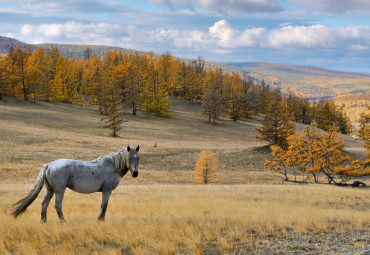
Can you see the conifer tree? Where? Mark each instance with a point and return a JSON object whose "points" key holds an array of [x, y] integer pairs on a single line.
{"points": [[36, 71], [236, 99], [155, 95], [213, 103], [359, 167], [310, 153], [206, 169], [114, 108], [17, 71], [63, 89], [2, 77], [277, 124]]}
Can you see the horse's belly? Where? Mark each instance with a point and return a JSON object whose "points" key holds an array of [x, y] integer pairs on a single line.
{"points": [[85, 185]]}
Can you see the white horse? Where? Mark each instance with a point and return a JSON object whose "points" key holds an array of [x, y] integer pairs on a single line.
{"points": [[100, 175]]}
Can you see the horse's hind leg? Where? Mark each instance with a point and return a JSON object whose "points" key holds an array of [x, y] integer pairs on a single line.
{"points": [[104, 204], [58, 204], [45, 202]]}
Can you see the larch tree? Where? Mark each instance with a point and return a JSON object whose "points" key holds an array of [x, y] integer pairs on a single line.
{"points": [[236, 99], [17, 71], [113, 101], [206, 169], [277, 123], [36, 71], [2, 77], [63, 89], [155, 95], [213, 103], [359, 167], [133, 69], [311, 153]]}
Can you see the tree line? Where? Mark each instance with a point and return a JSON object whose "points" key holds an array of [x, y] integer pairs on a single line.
{"points": [[133, 81]]}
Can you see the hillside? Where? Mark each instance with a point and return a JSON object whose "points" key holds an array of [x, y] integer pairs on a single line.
{"points": [[33, 134], [309, 81]]}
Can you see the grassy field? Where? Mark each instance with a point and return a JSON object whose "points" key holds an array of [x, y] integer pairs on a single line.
{"points": [[161, 212], [190, 219]]}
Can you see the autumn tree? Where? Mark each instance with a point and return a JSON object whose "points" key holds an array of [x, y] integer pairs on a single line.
{"points": [[155, 96], [17, 71], [133, 69], [36, 71], [2, 76], [114, 113], [64, 88], [264, 96], [213, 103], [206, 169], [93, 82], [113, 102], [235, 98], [311, 153], [277, 124], [359, 167], [47, 88]]}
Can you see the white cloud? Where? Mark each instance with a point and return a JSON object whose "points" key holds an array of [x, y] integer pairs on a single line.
{"points": [[71, 32], [224, 6], [300, 37], [220, 37]]}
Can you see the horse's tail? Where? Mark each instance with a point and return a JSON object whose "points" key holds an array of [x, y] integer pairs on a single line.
{"points": [[21, 206]]}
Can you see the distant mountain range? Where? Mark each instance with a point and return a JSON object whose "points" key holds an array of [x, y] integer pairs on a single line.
{"points": [[308, 81]]}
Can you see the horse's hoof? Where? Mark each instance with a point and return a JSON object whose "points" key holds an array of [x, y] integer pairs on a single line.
{"points": [[101, 219]]}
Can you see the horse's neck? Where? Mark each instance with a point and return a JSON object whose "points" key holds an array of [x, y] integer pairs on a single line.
{"points": [[123, 171]]}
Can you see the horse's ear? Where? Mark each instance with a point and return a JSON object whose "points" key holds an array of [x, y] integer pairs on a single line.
{"points": [[128, 148], [137, 148]]}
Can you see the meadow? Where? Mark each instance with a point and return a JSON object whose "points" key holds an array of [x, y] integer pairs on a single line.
{"points": [[161, 211]]}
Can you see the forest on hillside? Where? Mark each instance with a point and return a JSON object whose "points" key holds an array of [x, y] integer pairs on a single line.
{"points": [[145, 81]]}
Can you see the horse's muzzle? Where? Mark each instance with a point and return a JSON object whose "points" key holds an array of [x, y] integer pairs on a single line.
{"points": [[135, 174]]}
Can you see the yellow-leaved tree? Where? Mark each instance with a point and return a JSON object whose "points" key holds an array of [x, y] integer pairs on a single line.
{"points": [[311, 153], [358, 167], [206, 169]]}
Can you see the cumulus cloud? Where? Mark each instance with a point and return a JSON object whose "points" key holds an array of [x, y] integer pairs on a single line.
{"points": [[220, 37], [247, 6], [73, 31]]}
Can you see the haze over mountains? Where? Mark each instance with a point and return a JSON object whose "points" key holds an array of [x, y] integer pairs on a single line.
{"points": [[311, 82]]}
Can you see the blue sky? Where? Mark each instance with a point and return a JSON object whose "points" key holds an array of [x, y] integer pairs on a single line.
{"points": [[333, 34]]}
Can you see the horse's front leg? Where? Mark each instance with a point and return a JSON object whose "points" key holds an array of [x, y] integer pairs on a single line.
{"points": [[104, 203]]}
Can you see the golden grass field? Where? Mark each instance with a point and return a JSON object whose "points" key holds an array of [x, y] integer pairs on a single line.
{"points": [[161, 212]]}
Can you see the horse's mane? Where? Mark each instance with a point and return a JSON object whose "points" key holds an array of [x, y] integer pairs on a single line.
{"points": [[118, 159]]}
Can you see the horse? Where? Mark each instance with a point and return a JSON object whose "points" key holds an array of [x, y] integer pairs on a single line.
{"points": [[100, 175]]}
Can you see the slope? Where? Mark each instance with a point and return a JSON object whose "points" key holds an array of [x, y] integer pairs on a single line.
{"points": [[34, 134]]}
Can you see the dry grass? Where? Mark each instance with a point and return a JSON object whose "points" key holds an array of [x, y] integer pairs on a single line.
{"points": [[158, 212], [190, 219]]}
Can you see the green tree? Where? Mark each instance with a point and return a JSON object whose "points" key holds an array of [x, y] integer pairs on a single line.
{"points": [[277, 123]]}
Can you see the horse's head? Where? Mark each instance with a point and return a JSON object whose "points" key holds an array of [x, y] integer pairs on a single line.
{"points": [[133, 160]]}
